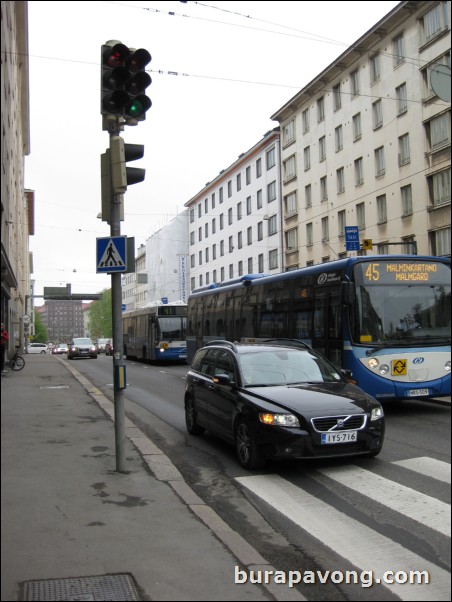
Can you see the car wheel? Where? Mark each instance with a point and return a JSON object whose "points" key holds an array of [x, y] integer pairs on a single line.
{"points": [[43, 352], [248, 454], [190, 418]]}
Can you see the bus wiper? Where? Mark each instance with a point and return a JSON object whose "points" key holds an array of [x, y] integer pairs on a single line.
{"points": [[408, 343]]}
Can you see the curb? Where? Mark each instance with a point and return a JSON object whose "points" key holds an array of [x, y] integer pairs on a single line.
{"points": [[164, 470]]}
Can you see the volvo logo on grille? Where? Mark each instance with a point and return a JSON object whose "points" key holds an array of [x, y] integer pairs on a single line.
{"points": [[418, 360], [340, 423]]}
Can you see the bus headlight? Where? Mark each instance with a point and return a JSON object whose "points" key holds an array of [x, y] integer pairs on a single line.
{"points": [[373, 363], [384, 369], [447, 366]]}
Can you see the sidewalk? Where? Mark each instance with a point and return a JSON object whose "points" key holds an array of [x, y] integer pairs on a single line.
{"points": [[68, 516]]}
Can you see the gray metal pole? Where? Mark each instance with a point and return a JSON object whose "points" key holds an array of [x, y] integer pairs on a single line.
{"points": [[116, 310]]}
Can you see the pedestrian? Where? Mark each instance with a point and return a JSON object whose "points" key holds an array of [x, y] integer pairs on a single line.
{"points": [[5, 339]]}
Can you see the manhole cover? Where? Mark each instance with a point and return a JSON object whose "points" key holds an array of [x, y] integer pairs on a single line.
{"points": [[104, 587]]}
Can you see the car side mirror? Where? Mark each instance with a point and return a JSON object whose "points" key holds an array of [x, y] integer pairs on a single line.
{"points": [[348, 375], [222, 379]]}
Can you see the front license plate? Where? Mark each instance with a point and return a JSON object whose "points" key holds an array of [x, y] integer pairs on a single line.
{"points": [[348, 437], [417, 392]]}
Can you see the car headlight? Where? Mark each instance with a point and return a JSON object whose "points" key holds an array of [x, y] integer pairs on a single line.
{"points": [[447, 366], [376, 413], [279, 419]]}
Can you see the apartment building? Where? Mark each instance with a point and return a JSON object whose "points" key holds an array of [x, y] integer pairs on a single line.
{"points": [[235, 220], [367, 144]]}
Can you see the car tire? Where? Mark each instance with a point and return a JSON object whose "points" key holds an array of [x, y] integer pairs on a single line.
{"points": [[190, 418], [246, 449]]}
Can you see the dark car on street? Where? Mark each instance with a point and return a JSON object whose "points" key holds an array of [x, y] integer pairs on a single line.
{"points": [[82, 347], [275, 401]]}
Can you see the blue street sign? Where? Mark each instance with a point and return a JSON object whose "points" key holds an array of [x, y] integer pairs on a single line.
{"points": [[352, 238], [111, 254]]}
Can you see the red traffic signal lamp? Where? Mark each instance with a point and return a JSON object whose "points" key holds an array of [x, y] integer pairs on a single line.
{"points": [[124, 81]]}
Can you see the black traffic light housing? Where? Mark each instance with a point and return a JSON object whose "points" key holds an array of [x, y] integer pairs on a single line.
{"points": [[121, 175], [124, 81]]}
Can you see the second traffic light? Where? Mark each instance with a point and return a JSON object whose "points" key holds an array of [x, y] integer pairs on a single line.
{"points": [[124, 81], [121, 175]]}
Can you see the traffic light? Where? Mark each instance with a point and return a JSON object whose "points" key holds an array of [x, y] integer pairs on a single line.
{"points": [[124, 81], [121, 175]]}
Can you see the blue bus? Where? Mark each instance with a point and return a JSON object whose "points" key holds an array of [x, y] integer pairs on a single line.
{"points": [[156, 333], [384, 318]]}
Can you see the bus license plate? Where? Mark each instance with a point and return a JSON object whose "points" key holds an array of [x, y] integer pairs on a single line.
{"points": [[348, 437], [417, 392]]}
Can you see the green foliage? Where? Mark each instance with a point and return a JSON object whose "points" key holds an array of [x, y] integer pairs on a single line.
{"points": [[40, 330], [100, 319]]}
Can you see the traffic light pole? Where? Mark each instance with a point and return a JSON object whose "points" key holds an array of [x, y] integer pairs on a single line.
{"points": [[116, 310]]}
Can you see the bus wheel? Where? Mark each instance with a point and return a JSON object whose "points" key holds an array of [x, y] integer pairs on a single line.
{"points": [[247, 451], [190, 418]]}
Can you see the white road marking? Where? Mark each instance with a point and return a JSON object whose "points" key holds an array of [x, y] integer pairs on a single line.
{"points": [[429, 467]]}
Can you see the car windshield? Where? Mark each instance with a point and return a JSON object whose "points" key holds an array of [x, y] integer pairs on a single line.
{"points": [[103, 341], [284, 366], [83, 342]]}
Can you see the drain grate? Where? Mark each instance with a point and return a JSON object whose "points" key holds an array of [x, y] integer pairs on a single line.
{"points": [[103, 587]]}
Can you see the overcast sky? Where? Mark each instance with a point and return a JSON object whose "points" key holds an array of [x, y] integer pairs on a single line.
{"points": [[219, 71]]}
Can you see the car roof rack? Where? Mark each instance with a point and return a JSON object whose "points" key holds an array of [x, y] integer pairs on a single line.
{"points": [[221, 343], [287, 343]]}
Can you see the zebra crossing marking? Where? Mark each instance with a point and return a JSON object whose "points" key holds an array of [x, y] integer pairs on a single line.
{"points": [[441, 471]]}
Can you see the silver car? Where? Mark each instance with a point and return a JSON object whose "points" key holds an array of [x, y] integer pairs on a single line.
{"points": [[82, 347]]}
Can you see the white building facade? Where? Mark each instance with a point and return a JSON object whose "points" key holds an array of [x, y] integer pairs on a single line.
{"points": [[235, 221], [367, 144]]}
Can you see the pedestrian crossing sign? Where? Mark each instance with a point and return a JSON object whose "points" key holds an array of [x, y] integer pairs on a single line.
{"points": [[111, 254]]}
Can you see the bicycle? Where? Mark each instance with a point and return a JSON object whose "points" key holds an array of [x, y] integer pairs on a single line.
{"points": [[17, 362]]}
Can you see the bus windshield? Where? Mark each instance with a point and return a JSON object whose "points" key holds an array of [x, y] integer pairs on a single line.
{"points": [[412, 308], [172, 328]]}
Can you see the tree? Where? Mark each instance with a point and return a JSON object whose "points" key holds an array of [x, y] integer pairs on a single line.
{"points": [[40, 330], [100, 319]]}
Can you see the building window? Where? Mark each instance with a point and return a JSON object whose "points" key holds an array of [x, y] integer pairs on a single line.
{"points": [[206, 255], [239, 211], [192, 261], [325, 229], [260, 263], [359, 173], [221, 274], [339, 142], [404, 149], [361, 216], [239, 182], [305, 120], [375, 72], [229, 188], [200, 258], [192, 216], [213, 200], [220, 192], [439, 131], [273, 259], [356, 127], [309, 235], [271, 192], [239, 240], [231, 271], [260, 230], [230, 219], [434, 22], [308, 196], [199, 210], [288, 131], [206, 205], [354, 79], [248, 175], [290, 169], [258, 168], [214, 226], [379, 162], [240, 268], [221, 221], [320, 109], [250, 265], [439, 188], [402, 102], [248, 205], [259, 199], [290, 204], [271, 158], [407, 202], [272, 225], [206, 230], [214, 253], [307, 158], [199, 234], [340, 179], [323, 189], [341, 223], [398, 50], [440, 242], [231, 244], [292, 239], [249, 235], [337, 101], [377, 114], [322, 148], [381, 208], [221, 248]]}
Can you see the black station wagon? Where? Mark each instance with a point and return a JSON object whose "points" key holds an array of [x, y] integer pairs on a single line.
{"points": [[277, 401]]}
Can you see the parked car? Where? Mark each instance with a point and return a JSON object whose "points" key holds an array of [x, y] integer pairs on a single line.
{"points": [[109, 348], [82, 347], [37, 348], [60, 349], [101, 345], [277, 401]]}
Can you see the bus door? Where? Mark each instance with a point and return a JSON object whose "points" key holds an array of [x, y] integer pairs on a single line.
{"points": [[327, 327]]}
